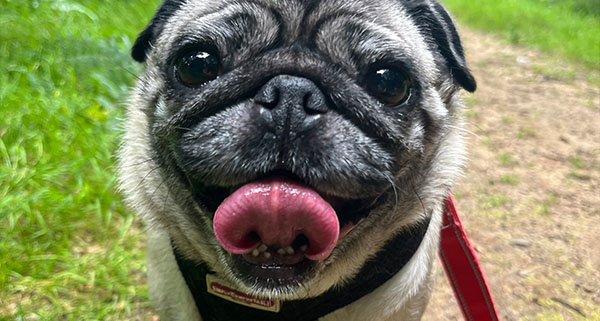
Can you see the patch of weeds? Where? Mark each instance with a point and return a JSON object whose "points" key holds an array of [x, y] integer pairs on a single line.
{"points": [[507, 159], [558, 306], [494, 201], [549, 316], [507, 119], [510, 179], [579, 175], [544, 206], [526, 132], [458, 195], [514, 36], [507, 179], [470, 100], [549, 73], [486, 140], [542, 209], [495, 213], [592, 104], [594, 78], [577, 162], [553, 198], [472, 114], [579, 167], [500, 259]]}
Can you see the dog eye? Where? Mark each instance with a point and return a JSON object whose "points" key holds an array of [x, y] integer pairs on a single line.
{"points": [[197, 67], [389, 84]]}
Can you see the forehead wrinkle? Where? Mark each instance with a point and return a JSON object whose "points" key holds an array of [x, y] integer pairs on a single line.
{"points": [[362, 43], [291, 13], [368, 9], [187, 19], [395, 34], [204, 24]]}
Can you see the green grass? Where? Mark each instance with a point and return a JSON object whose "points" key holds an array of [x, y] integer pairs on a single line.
{"points": [[507, 159], [510, 179], [66, 246], [577, 162], [494, 201], [570, 28]]}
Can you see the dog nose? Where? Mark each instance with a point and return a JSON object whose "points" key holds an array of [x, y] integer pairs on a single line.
{"points": [[291, 104]]}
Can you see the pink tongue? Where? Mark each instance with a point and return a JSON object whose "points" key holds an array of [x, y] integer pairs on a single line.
{"points": [[276, 210]]}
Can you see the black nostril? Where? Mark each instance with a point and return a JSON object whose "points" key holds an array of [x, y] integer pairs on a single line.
{"points": [[268, 97], [314, 104], [307, 102]]}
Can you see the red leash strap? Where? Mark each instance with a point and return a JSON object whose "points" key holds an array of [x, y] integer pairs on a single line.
{"points": [[463, 269]]}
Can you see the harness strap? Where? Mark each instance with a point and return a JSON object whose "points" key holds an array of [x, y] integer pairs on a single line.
{"points": [[463, 269]]}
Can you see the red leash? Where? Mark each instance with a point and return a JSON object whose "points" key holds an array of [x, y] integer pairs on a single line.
{"points": [[463, 269]]}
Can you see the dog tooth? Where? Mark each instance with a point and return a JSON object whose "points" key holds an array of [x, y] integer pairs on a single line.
{"points": [[255, 252], [281, 251], [263, 247], [303, 248], [267, 254], [289, 250]]}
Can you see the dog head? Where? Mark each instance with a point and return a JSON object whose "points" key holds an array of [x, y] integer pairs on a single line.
{"points": [[284, 142]]}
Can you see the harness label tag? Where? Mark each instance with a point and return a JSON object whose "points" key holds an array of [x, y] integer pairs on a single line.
{"points": [[221, 288]]}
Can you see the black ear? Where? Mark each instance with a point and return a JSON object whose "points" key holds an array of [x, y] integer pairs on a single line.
{"points": [[146, 38], [435, 22]]}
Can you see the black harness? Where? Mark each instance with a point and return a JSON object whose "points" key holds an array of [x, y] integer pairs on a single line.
{"points": [[394, 255]]}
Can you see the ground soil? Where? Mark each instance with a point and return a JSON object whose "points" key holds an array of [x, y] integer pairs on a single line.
{"points": [[530, 197]]}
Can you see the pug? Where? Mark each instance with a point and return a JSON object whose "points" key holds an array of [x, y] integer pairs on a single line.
{"points": [[291, 158]]}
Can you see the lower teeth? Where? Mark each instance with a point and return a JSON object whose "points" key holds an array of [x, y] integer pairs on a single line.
{"points": [[283, 251]]}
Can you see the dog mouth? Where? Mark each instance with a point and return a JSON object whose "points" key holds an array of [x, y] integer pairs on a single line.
{"points": [[279, 230]]}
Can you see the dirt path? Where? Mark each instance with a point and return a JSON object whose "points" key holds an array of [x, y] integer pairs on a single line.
{"points": [[530, 198]]}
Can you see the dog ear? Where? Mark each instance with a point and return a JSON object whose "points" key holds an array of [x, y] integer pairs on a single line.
{"points": [[144, 41], [436, 24]]}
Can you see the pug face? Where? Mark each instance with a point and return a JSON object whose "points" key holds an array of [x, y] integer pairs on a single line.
{"points": [[282, 143]]}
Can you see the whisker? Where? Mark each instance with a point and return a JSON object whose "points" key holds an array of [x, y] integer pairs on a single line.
{"points": [[419, 197], [157, 187], [394, 187], [137, 77], [139, 163], [166, 197], [182, 128], [464, 130], [478, 127], [146, 176]]}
